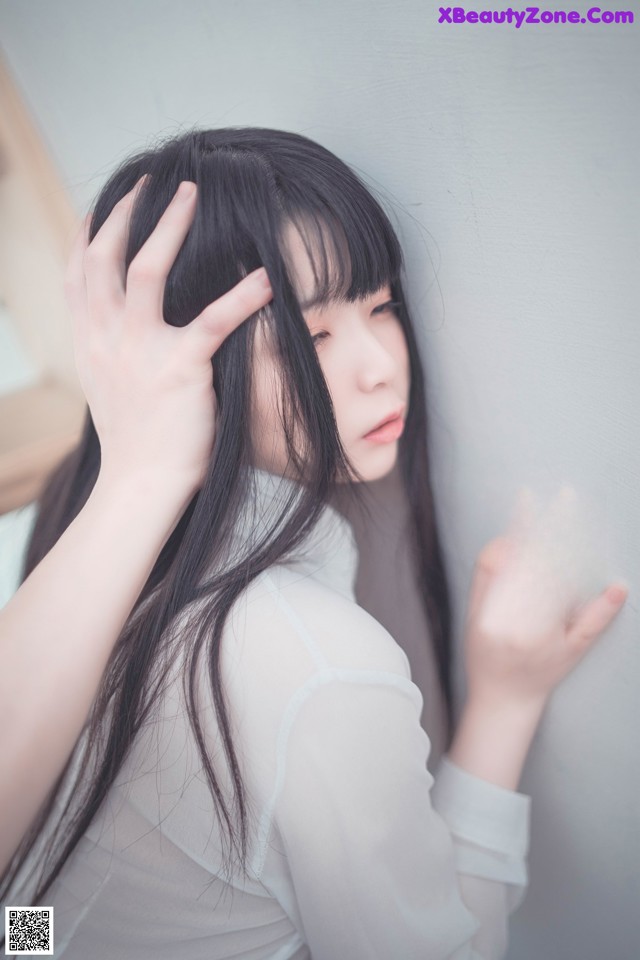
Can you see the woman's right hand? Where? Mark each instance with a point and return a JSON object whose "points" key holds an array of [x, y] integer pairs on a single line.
{"points": [[519, 646], [149, 385]]}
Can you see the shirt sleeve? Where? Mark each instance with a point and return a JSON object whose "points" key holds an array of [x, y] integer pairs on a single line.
{"points": [[385, 860]]}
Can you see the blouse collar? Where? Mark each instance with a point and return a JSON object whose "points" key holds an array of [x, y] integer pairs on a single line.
{"points": [[328, 553]]}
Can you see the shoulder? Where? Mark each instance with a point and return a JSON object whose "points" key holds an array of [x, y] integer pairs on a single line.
{"points": [[307, 626], [292, 647]]}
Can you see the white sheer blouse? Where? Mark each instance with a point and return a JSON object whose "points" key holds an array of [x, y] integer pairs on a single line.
{"points": [[356, 850]]}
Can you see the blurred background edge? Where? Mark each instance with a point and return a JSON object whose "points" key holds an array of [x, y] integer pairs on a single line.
{"points": [[41, 402]]}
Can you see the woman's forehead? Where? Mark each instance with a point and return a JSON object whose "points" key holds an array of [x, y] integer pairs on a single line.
{"points": [[301, 269], [301, 266]]}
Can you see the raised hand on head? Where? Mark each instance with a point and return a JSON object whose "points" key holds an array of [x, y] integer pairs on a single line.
{"points": [[149, 385]]}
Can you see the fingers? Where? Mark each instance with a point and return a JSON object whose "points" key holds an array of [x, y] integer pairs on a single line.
{"points": [[147, 273], [491, 560], [220, 318], [524, 514], [595, 616], [100, 267], [104, 259]]}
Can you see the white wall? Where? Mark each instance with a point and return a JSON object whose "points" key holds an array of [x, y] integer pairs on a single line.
{"points": [[511, 156]]}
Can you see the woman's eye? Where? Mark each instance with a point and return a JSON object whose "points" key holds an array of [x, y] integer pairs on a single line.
{"points": [[392, 305]]}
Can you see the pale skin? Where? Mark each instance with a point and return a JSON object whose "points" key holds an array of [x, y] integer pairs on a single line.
{"points": [[365, 362], [116, 330]]}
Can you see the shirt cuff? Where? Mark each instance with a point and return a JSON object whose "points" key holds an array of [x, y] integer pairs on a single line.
{"points": [[482, 812]]}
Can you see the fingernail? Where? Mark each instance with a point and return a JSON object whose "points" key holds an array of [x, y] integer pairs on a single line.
{"points": [[262, 278], [186, 190], [616, 594]]}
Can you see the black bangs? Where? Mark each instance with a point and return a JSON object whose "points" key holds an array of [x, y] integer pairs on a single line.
{"points": [[352, 250], [253, 185]]}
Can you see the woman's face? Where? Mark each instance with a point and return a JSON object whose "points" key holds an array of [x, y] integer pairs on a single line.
{"points": [[363, 354]]}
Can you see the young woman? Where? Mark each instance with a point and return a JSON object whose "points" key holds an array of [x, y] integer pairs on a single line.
{"points": [[250, 706]]}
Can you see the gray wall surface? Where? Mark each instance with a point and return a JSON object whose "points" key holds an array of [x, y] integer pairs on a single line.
{"points": [[509, 158]]}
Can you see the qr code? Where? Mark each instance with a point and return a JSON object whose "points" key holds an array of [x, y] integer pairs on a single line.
{"points": [[28, 931]]}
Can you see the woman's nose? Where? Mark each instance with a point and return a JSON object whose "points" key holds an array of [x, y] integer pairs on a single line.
{"points": [[375, 360]]}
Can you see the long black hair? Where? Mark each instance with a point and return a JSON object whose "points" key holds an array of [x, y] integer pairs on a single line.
{"points": [[252, 182]]}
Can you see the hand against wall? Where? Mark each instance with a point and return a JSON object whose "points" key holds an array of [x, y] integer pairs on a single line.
{"points": [[528, 622]]}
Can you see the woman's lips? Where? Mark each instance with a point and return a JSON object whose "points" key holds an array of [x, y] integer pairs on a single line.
{"points": [[390, 431]]}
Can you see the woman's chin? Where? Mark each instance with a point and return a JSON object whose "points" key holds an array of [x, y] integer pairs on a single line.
{"points": [[378, 463]]}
